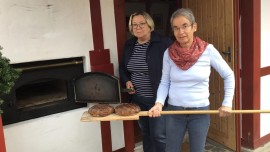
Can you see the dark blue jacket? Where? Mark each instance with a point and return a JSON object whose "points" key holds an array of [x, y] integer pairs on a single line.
{"points": [[154, 58]]}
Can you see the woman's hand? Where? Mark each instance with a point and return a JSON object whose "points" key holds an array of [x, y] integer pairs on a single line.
{"points": [[129, 86], [224, 111], [155, 110]]}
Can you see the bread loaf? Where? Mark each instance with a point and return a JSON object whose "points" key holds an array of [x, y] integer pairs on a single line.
{"points": [[127, 109], [101, 110]]}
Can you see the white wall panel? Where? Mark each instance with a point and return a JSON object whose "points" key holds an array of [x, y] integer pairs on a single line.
{"points": [[265, 54], [265, 105], [43, 30], [52, 29], [265, 33]]}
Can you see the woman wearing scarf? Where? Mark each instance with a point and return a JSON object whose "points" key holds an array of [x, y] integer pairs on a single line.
{"points": [[185, 79]]}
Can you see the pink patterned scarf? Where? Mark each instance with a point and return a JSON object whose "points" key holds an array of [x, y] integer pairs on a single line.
{"points": [[185, 58]]}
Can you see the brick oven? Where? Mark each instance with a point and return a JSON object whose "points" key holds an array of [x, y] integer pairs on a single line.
{"points": [[44, 88]]}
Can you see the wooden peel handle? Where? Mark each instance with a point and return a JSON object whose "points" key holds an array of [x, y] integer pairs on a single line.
{"points": [[145, 113], [86, 117]]}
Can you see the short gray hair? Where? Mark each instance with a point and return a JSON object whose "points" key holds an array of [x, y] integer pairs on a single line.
{"points": [[147, 18], [186, 12]]}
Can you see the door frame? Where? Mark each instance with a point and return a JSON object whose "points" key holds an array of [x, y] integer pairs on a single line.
{"points": [[119, 7], [237, 46]]}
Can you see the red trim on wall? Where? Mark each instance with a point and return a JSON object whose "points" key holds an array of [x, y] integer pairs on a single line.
{"points": [[100, 61], [96, 24], [105, 127], [129, 135], [100, 57], [100, 64], [237, 75], [120, 24], [265, 71], [250, 16], [105, 68], [262, 141], [2, 137]]}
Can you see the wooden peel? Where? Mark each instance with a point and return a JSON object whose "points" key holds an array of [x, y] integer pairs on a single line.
{"points": [[86, 117]]}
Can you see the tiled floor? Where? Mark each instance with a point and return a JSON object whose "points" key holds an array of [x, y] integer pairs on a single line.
{"points": [[214, 147], [210, 146]]}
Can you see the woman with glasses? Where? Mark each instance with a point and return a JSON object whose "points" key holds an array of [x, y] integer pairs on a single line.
{"points": [[185, 79], [140, 71]]}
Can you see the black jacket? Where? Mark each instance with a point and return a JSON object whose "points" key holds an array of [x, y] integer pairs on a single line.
{"points": [[154, 58]]}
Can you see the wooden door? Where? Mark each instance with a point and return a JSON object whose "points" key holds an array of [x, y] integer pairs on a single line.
{"points": [[215, 25]]}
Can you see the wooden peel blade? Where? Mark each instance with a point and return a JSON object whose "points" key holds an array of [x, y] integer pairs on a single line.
{"points": [[86, 117]]}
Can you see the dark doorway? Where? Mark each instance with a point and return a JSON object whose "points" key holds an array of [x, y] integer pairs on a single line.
{"points": [[160, 11]]}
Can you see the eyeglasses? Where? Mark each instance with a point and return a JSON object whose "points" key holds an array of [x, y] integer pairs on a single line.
{"points": [[141, 25], [183, 28]]}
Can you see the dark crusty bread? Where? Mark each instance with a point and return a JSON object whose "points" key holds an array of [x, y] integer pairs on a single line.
{"points": [[101, 110], [127, 109]]}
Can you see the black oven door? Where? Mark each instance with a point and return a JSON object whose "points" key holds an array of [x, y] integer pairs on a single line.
{"points": [[97, 87]]}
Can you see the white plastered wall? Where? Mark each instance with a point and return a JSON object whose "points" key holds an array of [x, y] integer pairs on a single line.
{"points": [[43, 30], [265, 62]]}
